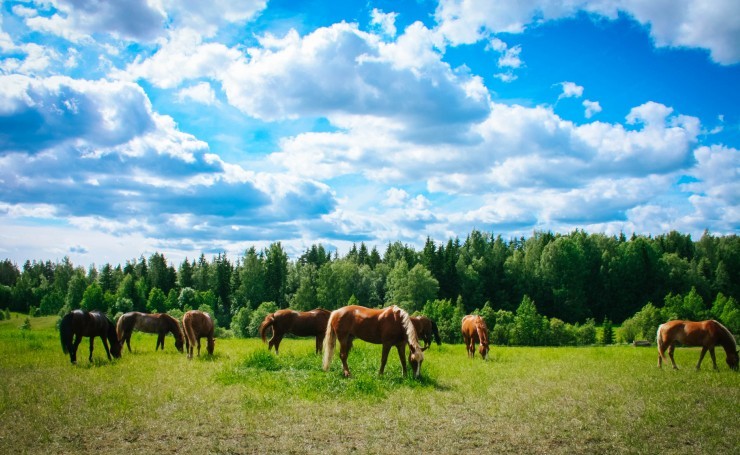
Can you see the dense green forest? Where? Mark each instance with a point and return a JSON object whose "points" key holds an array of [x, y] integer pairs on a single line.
{"points": [[569, 279]]}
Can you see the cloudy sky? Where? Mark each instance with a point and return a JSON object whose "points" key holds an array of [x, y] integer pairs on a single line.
{"points": [[182, 126]]}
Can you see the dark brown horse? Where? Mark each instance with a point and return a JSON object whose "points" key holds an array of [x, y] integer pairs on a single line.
{"points": [[81, 323], [197, 325], [159, 323], [389, 327], [425, 329], [474, 330], [706, 334], [300, 323]]}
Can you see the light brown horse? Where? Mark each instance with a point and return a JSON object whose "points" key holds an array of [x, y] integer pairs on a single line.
{"points": [[300, 323], [474, 330], [198, 324], [425, 329], [706, 334], [389, 327], [159, 323]]}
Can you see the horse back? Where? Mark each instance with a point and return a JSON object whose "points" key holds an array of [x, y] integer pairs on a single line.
{"points": [[309, 323], [690, 333]]}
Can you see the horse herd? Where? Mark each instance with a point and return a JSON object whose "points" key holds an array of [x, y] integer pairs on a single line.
{"points": [[389, 327]]}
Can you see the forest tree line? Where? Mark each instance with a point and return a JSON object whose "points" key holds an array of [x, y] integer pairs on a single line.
{"points": [[573, 279]]}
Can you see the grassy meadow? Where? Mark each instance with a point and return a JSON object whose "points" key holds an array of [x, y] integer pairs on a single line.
{"points": [[245, 400]]}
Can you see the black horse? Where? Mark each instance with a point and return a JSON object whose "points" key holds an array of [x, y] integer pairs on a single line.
{"points": [[81, 323]]}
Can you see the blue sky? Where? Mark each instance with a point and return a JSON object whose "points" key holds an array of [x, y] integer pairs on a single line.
{"points": [[185, 127]]}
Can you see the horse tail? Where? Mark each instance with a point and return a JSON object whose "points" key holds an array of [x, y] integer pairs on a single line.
{"points": [[187, 325], [435, 331], [269, 320], [65, 333], [120, 329], [330, 340]]}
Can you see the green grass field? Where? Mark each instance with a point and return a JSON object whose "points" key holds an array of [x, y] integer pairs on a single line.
{"points": [[245, 400]]}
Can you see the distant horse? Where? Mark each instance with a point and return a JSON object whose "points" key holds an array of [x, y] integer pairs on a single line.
{"points": [[197, 325], [425, 328], [706, 334], [81, 323], [474, 330], [300, 323], [159, 323], [390, 327]]}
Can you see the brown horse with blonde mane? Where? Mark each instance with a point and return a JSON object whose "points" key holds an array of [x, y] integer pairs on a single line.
{"points": [[159, 323], [299, 323], [706, 334], [474, 330], [389, 327], [198, 324], [425, 329]]}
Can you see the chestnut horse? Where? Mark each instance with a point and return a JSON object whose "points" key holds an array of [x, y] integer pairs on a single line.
{"points": [[198, 324], [474, 330], [706, 334], [390, 327], [425, 328], [159, 323], [300, 323], [81, 323]]}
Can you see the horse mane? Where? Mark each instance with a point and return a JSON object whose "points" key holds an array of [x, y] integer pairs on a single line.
{"points": [[411, 336], [726, 338], [482, 331]]}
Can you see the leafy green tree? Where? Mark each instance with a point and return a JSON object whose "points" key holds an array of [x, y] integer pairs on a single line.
{"points": [[727, 311], [92, 298], [276, 274], [75, 292], [607, 333], [560, 333], [157, 301], [643, 325], [530, 328], [240, 322], [305, 298], [445, 314], [188, 299], [586, 334], [185, 275], [252, 274]]}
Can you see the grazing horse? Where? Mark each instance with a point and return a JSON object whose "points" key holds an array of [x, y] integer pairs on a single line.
{"points": [[198, 324], [81, 323], [390, 327], [706, 334], [159, 323], [300, 323], [474, 330], [425, 328]]}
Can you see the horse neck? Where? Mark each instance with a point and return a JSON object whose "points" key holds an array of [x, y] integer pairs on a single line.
{"points": [[482, 336], [173, 326], [726, 339]]}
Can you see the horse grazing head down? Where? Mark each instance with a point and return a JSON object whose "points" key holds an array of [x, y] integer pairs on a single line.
{"points": [[415, 359], [211, 344], [732, 360]]}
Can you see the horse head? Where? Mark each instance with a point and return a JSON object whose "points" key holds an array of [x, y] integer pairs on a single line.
{"points": [[179, 344], [483, 349], [415, 359], [732, 360], [211, 345]]}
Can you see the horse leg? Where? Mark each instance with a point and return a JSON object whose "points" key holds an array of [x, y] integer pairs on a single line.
{"points": [[344, 347], [160, 342], [198, 346], [277, 341], [127, 336], [73, 351], [672, 348], [319, 343], [384, 358], [401, 348], [105, 345], [711, 353], [92, 341]]}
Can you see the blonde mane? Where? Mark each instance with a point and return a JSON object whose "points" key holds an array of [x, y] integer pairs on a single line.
{"points": [[411, 336]]}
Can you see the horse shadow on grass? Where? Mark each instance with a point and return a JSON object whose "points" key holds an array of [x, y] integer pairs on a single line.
{"points": [[302, 376]]}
